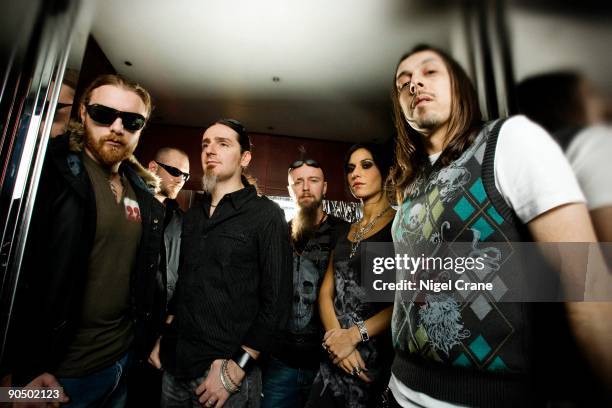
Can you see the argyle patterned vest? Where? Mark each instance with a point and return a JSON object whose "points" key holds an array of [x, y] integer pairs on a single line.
{"points": [[447, 343]]}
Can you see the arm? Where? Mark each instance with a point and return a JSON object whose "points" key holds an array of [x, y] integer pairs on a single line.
{"points": [[326, 297], [602, 221], [351, 357], [154, 359], [275, 284], [379, 323], [591, 322], [340, 340], [154, 356]]}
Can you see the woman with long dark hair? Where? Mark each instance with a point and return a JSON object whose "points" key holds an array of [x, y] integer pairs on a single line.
{"points": [[357, 335]]}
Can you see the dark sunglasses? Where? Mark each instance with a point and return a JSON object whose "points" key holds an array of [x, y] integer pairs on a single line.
{"points": [[300, 163], [173, 171], [106, 116], [61, 105]]}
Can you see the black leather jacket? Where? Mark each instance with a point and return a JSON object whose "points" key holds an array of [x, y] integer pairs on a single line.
{"points": [[53, 274]]}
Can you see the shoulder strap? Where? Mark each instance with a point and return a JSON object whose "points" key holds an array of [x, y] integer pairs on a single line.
{"points": [[488, 175]]}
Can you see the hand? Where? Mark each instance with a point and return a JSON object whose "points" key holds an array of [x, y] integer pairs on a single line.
{"points": [[211, 391], [341, 342], [352, 361], [154, 356], [44, 380]]}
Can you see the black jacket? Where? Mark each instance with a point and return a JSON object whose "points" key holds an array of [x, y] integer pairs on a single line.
{"points": [[53, 274], [173, 225]]}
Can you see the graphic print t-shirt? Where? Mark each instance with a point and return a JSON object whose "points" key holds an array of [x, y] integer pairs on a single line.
{"points": [[105, 329]]}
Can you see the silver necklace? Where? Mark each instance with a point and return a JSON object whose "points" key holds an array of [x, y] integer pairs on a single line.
{"points": [[361, 232]]}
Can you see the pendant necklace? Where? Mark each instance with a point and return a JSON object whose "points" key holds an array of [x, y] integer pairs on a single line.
{"points": [[359, 234], [113, 188]]}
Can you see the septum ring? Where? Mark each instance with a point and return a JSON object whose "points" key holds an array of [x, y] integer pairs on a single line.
{"points": [[412, 88]]}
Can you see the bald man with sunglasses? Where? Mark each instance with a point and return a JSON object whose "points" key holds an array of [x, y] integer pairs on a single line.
{"points": [[171, 165], [86, 303]]}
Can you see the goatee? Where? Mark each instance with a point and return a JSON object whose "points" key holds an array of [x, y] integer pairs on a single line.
{"points": [[209, 181], [106, 154], [304, 224]]}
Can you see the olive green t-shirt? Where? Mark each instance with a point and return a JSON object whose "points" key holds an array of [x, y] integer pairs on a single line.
{"points": [[105, 330]]}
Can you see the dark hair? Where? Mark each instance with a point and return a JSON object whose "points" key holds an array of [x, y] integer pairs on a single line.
{"points": [[243, 136], [381, 157], [553, 100], [119, 81], [465, 119]]}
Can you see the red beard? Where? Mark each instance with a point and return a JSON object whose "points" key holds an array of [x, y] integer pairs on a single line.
{"points": [[107, 154]]}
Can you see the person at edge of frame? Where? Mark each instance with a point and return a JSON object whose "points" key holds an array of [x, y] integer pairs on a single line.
{"points": [[85, 305], [513, 174]]}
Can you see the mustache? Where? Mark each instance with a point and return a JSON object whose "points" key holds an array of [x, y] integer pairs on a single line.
{"points": [[113, 139], [417, 95]]}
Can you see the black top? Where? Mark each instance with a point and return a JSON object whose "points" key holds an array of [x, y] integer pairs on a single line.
{"points": [[233, 287], [299, 345], [350, 304]]}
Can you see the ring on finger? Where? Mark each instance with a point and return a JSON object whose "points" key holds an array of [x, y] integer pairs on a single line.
{"points": [[324, 347], [210, 403], [356, 371]]}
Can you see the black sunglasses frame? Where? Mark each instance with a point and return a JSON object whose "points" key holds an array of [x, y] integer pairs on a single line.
{"points": [[105, 115], [61, 105], [300, 163], [173, 171]]}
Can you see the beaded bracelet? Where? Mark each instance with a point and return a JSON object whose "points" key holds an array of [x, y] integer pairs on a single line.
{"points": [[229, 377], [226, 380]]}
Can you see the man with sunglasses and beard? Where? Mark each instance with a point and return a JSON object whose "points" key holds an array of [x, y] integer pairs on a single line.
{"points": [[85, 303], [293, 365], [233, 289]]}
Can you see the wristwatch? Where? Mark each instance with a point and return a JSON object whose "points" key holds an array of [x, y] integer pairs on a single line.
{"points": [[363, 331]]}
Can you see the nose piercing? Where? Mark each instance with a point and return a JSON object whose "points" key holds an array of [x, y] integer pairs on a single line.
{"points": [[412, 88]]}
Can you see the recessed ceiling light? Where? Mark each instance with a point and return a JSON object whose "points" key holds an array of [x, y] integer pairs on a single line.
{"points": [[275, 79], [128, 63]]}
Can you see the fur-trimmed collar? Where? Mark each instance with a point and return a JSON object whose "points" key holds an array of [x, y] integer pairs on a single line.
{"points": [[76, 144]]}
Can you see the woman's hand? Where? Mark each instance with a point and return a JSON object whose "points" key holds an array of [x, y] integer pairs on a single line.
{"points": [[354, 365], [340, 343]]}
